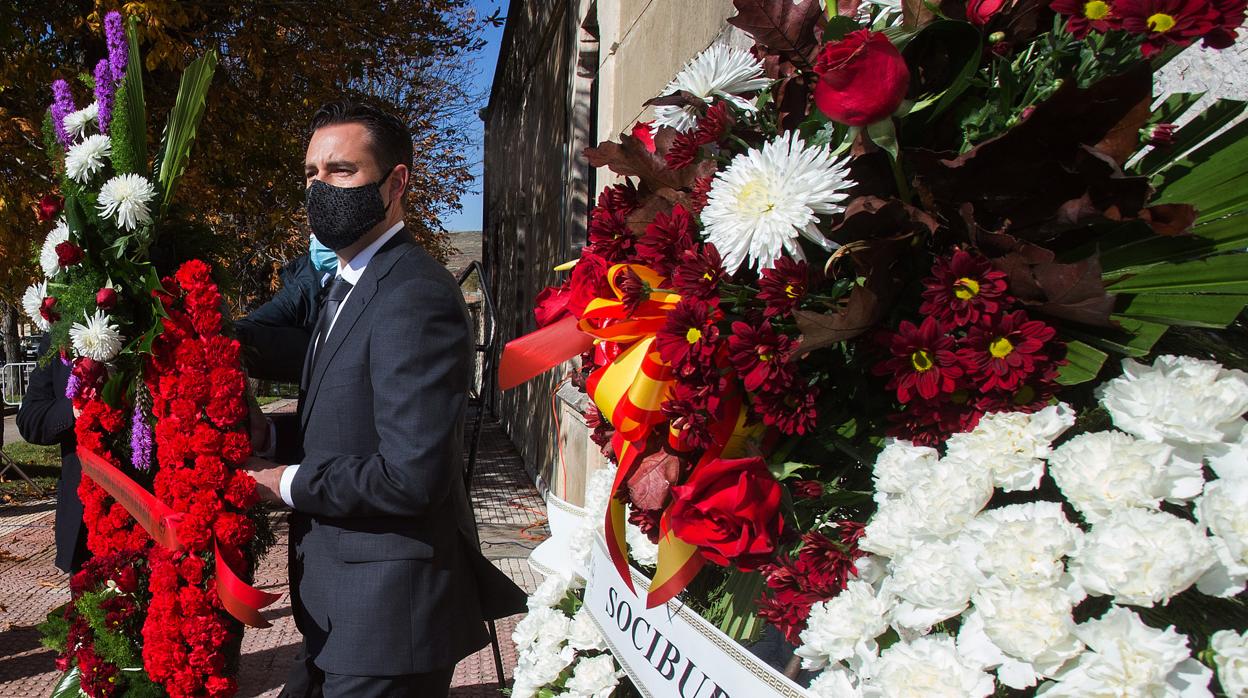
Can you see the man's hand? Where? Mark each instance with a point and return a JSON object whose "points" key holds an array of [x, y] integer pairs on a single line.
{"points": [[268, 476], [258, 426]]}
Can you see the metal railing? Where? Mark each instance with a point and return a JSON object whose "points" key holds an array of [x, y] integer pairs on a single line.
{"points": [[14, 378]]}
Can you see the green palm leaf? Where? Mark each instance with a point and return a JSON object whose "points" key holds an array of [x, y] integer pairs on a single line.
{"points": [[188, 110]]}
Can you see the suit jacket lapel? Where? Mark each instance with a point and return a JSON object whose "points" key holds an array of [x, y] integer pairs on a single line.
{"points": [[350, 313]]}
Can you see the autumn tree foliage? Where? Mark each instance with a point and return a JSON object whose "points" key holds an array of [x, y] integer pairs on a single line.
{"points": [[279, 61]]}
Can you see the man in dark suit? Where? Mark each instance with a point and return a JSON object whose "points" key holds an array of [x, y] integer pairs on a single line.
{"points": [[390, 589], [46, 417]]}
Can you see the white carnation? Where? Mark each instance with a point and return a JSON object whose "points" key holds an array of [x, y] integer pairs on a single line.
{"points": [[581, 547], [1178, 398], [1223, 510], [47, 254], [901, 464], [1229, 459], [543, 627], [932, 582], [1013, 445], [1024, 544], [845, 626], [1125, 657], [594, 677], [640, 548], [942, 498], [550, 592], [98, 339], [1026, 633], [598, 494], [32, 301], [928, 666], [85, 158], [1230, 653], [1102, 472], [1141, 557], [536, 669], [583, 633], [836, 682]]}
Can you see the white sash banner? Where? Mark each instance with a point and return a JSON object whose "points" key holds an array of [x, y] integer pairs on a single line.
{"points": [[670, 650]]}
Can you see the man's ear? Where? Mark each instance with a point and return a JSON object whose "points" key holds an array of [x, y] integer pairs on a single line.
{"points": [[400, 176]]}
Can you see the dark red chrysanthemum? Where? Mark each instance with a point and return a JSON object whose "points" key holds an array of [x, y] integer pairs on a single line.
{"points": [[690, 422], [1166, 22], [790, 407], [699, 273], [826, 564], [1005, 350], [668, 237], [647, 520], [760, 355], [689, 336], [712, 127], [924, 361], [932, 422], [1230, 19], [633, 289], [1087, 15], [697, 197], [1031, 395], [782, 287], [962, 288], [609, 234]]}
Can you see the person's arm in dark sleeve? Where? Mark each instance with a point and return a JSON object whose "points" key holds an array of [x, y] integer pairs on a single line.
{"points": [[275, 336], [45, 417]]}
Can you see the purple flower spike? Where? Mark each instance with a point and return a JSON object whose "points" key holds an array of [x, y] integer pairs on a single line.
{"points": [[140, 441], [62, 106], [118, 49], [72, 387], [104, 91]]}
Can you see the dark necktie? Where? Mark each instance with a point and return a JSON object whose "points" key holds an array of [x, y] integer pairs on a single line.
{"points": [[338, 289]]}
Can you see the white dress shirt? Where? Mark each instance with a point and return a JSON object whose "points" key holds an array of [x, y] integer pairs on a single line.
{"points": [[351, 272]]}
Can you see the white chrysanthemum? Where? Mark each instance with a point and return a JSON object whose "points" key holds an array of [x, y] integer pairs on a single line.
{"points": [[76, 122], [1178, 398], [928, 666], [836, 682], [98, 339], [759, 205], [941, 499], [1141, 557], [845, 626], [535, 670], [640, 548], [1013, 444], [1026, 633], [1125, 657], [932, 582], [550, 592], [583, 633], [85, 158], [1223, 510], [1102, 472], [720, 71], [1024, 544], [542, 627], [593, 677], [1230, 653], [32, 301], [47, 254], [127, 197], [901, 465]]}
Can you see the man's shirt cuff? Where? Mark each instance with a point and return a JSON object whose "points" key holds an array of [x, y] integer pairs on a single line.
{"points": [[288, 477]]}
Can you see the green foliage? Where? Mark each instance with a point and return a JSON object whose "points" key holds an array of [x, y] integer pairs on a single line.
{"points": [[54, 632], [70, 685], [124, 157], [136, 117], [183, 124], [735, 612]]}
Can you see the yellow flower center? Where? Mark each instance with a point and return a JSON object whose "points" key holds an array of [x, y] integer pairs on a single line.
{"points": [[1096, 9], [1161, 23], [763, 355], [755, 198], [966, 288], [921, 360], [790, 291], [707, 277], [1000, 347], [693, 335]]}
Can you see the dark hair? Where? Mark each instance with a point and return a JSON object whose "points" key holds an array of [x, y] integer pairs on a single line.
{"points": [[391, 141]]}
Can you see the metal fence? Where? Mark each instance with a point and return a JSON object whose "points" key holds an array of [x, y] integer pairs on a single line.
{"points": [[14, 378]]}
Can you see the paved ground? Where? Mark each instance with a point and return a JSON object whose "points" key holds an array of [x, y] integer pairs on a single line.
{"points": [[511, 520]]}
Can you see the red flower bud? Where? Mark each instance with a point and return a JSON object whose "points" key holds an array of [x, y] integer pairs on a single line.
{"points": [[47, 309], [978, 12], [106, 299], [49, 205], [641, 131], [1160, 135], [807, 489], [862, 79], [68, 254]]}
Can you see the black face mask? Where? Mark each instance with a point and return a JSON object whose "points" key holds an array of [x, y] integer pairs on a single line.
{"points": [[340, 216]]}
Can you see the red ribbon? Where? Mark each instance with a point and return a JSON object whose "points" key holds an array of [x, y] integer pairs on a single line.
{"points": [[239, 598]]}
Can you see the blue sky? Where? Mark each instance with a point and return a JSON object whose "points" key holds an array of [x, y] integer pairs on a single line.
{"points": [[470, 217]]}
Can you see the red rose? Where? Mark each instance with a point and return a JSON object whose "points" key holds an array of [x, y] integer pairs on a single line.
{"points": [[47, 310], [106, 299], [730, 509], [49, 205], [552, 304], [862, 79], [589, 281], [978, 12], [68, 254], [642, 132]]}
